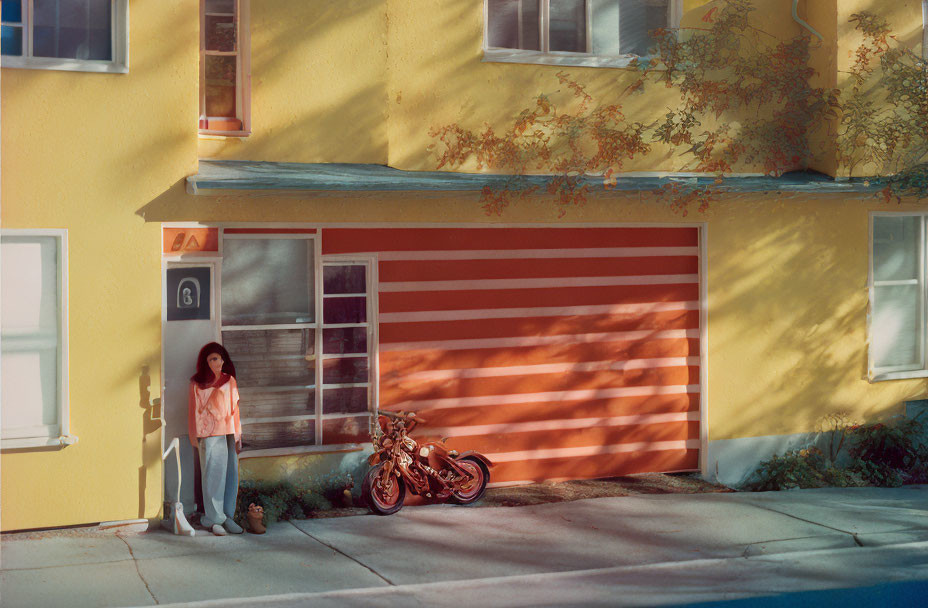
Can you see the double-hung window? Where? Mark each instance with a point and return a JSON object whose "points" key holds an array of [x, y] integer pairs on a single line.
{"points": [[34, 338], [606, 33], [899, 296], [224, 68], [81, 35]]}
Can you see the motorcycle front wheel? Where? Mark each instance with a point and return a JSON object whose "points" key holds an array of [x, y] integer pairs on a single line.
{"points": [[380, 500], [473, 490]]}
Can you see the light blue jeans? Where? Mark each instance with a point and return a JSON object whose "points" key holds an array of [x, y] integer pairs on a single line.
{"points": [[219, 475]]}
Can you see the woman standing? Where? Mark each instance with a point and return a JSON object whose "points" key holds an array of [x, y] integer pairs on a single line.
{"points": [[216, 433]]}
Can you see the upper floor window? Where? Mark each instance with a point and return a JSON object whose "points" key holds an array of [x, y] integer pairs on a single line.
{"points": [[607, 33], [224, 67], [82, 35], [899, 296]]}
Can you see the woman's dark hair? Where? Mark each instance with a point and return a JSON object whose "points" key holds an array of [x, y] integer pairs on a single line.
{"points": [[204, 375]]}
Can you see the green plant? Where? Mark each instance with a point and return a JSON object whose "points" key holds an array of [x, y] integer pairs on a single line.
{"points": [[837, 425], [881, 454], [889, 454], [794, 469], [286, 500]]}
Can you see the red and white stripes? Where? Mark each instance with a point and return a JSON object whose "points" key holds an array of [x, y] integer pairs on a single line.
{"points": [[558, 352]]}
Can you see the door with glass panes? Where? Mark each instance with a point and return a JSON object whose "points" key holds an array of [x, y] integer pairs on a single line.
{"points": [[299, 333]]}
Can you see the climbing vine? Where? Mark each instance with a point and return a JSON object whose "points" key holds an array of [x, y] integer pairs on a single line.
{"points": [[884, 121], [745, 98]]}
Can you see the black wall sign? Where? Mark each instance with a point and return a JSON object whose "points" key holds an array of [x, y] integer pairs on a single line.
{"points": [[188, 293]]}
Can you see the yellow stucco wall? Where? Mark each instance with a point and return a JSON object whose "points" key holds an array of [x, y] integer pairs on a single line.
{"points": [[905, 22], [319, 76], [86, 151], [787, 289], [442, 80]]}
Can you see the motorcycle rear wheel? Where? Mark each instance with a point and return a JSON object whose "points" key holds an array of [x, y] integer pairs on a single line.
{"points": [[378, 499], [475, 490]]}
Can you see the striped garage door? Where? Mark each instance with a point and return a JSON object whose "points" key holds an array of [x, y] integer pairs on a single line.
{"points": [[560, 353]]}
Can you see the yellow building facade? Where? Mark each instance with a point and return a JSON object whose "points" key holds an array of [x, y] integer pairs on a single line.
{"points": [[329, 95]]}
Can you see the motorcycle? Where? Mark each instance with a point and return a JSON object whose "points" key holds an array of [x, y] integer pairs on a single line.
{"points": [[400, 464]]}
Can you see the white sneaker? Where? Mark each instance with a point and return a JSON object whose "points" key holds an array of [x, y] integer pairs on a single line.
{"points": [[218, 530]]}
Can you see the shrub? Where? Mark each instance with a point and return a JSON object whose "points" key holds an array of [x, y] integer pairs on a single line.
{"points": [[794, 469], [889, 454], [886, 455], [286, 500]]}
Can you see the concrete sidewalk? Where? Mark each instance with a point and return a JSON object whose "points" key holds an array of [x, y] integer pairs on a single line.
{"points": [[642, 550]]}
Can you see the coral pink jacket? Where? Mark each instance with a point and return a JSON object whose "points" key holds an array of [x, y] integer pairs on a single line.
{"points": [[213, 410]]}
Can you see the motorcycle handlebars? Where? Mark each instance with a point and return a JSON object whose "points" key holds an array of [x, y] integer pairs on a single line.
{"points": [[404, 416]]}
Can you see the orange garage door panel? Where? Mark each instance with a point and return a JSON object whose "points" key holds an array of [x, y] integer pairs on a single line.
{"points": [[561, 353]]}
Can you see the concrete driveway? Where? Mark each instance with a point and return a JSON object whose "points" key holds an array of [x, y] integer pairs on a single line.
{"points": [[642, 550]]}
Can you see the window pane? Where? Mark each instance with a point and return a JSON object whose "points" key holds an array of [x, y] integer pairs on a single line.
{"points": [[12, 11], [72, 29], [344, 310], [29, 390], [220, 85], [897, 332], [895, 248], [269, 342], [513, 24], [636, 19], [275, 404], [346, 430], [344, 340], [344, 371], [267, 281], [29, 286], [11, 40], [220, 6], [29, 323], [263, 435], [272, 371], [344, 279], [344, 400], [605, 26], [567, 30], [220, 34]]}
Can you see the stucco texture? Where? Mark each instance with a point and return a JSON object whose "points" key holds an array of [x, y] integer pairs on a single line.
{"points": [[904, 18], [84, 151], [319, 75]]}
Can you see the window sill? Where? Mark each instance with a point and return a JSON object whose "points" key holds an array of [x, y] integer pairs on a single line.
{"points": [[305, 450], [37, 442], [68, 65], [909, 375], [215, 134], [569, 59]]}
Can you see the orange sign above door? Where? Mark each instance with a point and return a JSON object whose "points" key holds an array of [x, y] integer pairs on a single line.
{"points": [[189, 240]]}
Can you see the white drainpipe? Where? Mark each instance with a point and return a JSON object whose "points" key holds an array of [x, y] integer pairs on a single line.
{"points": [[799, 20]]}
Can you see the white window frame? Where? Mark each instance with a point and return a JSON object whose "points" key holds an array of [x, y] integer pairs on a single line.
{"points": [[119, 37], [369, 261], [56, 434], [319, 260], [924, 29], [900, 372], [242, 75], [548, 57]]}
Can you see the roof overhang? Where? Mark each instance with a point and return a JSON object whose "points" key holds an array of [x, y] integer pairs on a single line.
{"points": [[242, 177]]}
